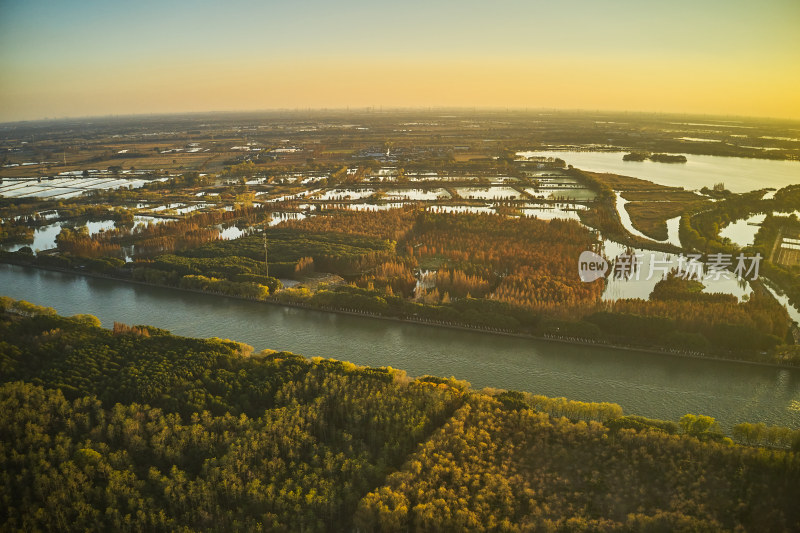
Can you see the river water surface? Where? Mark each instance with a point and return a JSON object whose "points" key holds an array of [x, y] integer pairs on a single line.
{"points": [[652, 385]]}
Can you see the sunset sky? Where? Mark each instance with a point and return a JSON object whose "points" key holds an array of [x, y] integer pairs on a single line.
{"points": [[87, 58]]}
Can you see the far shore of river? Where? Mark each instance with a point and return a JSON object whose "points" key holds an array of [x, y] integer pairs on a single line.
{"points": [[422, 321]]}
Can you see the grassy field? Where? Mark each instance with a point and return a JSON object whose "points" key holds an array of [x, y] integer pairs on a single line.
{"points": [[651, 217], [627, 183], [650, 210], [667, 194], [651, 205]]}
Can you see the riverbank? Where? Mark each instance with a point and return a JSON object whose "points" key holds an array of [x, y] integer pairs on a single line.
{"points": [[657, 387], [421, 321]]}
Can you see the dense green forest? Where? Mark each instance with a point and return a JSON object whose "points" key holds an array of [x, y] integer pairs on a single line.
{"points": [[136, 429], [496, 467]]}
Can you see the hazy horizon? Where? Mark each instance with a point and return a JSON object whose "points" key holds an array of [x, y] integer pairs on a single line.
{"points": [[94, 59], [377, 110]]}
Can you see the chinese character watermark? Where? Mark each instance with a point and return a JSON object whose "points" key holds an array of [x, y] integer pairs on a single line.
{"points": [[629, 266], [626, 266]]}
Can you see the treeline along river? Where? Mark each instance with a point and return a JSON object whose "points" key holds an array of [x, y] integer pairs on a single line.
{"points": [[654, 385]]}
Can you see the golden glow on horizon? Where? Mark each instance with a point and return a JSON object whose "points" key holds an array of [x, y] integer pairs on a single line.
{"points": [[690, 88], [89, 58]]}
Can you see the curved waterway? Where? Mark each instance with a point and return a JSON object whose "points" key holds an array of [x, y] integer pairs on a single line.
{"points": [[652, 385]]}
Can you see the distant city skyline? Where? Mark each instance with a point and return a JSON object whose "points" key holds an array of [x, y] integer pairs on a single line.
{"points": [[71, 59]]}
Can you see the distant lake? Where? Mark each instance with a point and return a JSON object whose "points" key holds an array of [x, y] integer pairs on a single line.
{"points": [[739, 174]]}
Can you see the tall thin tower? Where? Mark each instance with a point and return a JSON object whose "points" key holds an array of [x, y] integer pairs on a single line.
{"points": [[266, 255]]}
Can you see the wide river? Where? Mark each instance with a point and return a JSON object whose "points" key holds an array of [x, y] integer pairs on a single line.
{"points": [[652, 385]]}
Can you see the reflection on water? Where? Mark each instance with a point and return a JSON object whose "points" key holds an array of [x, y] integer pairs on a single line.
{"points": [[647, 384], [552, 211], [61, 188], [279, 216], [625, 218], [652, 267], [461, 209], [489, 193], [673, 231], [417, 194], [794, 313], [743, 232], [737, 173], [568, 193], [673, 224], [345, 194], [44, 238], [369, 207], [231, 232]]}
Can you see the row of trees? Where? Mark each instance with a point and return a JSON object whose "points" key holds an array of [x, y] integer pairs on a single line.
{"points": [[253, 291]]}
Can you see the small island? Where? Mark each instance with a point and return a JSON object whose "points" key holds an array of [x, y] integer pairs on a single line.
{"points": [[668, 158], [658, 158], [635, 156]]}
